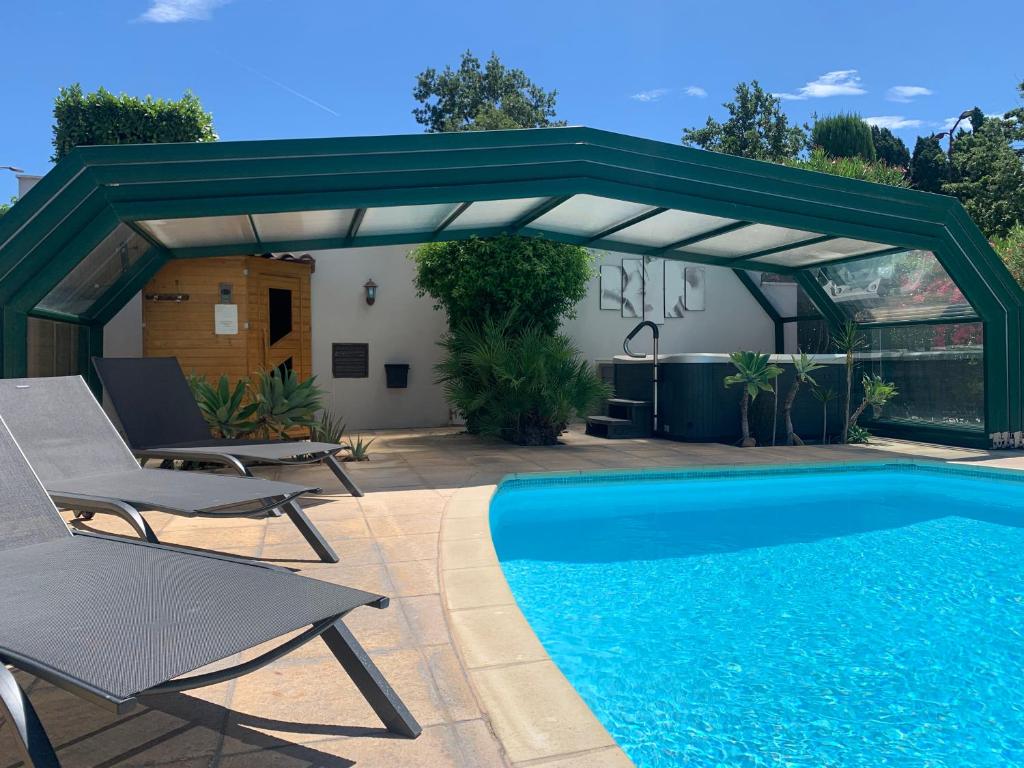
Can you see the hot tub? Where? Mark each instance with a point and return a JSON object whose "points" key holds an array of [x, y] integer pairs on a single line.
{"points": [[694, 404]]}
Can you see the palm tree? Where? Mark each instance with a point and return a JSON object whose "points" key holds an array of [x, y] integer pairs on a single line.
{"points": [[849, 340], [824, 395], [802, 367], [754, 374]]}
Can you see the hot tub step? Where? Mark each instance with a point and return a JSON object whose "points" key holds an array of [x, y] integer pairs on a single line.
{"points": [[614, 428]]}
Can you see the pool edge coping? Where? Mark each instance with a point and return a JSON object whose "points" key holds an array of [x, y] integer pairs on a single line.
{"points": [[466, 518]]}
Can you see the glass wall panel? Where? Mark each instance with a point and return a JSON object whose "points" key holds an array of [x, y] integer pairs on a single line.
{"points": [[900, 287], [938, 371], [97, 272], [52, 348]]}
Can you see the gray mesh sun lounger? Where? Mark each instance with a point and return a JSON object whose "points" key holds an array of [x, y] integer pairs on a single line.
{"points": [[85, 466], [160, 420], [112, 619]]}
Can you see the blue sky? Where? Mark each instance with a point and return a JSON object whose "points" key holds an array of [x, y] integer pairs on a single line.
{"points": [[292, 68]]}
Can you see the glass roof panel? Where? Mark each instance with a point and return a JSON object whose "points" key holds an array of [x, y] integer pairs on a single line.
{"points": [[910, 285], [207, 230], [97, 272], [668, 227], [830, 250], [302, 225], [495, 213], [587, 215], [756, 237], [405, 218]]}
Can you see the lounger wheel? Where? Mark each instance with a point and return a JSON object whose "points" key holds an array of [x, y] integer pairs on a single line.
{"points": [[81, 514]]}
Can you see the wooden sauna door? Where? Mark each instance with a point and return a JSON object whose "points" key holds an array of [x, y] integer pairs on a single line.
{"points": [[282, 327]]}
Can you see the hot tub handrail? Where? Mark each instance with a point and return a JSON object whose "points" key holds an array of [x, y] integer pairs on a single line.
{"points": [[655, 332]]}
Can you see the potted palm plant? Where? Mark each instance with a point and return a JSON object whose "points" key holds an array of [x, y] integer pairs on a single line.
{"points": [[877, 392], [754, 373], [802, 367]]}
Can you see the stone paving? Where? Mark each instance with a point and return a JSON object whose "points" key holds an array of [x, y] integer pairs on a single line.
{"points": [[450, 643]]}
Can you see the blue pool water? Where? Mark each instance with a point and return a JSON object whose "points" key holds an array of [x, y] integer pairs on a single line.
{"points": [[831, 618]]}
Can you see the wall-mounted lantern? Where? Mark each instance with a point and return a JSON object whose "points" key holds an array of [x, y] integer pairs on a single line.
{"points": [[371, 291]]}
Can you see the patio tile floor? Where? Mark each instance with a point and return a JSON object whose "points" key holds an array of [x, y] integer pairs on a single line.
{"points": [[452, 642]]}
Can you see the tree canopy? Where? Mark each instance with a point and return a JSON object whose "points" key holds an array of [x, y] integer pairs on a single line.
{"points": [[539, 280], [103, 118], [928, 165], [756, 128], [844, 135], [987, 176], [481, 97], [889, 148]]}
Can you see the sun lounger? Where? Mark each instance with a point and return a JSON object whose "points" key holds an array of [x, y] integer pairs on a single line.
{"points": [[85, 466], [112, 619], [161, 420]]}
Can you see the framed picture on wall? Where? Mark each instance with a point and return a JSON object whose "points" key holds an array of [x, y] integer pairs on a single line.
{"points": [[695, 288], [611, 287], [675, 288], [632, 287], [654, 290]]}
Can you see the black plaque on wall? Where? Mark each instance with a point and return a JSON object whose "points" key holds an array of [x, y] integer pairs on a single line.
{"points": [[350, 361]]}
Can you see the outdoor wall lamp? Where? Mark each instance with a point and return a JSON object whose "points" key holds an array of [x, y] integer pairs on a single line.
{"points": [[371, 291]]}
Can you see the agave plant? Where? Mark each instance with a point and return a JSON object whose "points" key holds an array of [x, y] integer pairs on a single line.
{"points": [[359, 449], [824, 395], [802, 367], [224, 407], [754, 373], [849, 340], [877, 392], [283, 402], [523, 384], [328, 427]]}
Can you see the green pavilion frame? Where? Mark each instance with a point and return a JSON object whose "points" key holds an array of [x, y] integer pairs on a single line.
{"points": [[98, 226]]}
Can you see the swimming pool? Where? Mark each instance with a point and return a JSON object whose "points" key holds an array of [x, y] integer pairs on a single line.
{"points": [[840, 616]]}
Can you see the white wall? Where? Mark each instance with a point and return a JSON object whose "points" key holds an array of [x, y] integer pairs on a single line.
{"points": [[732, 320], [122, 336], [402, 328], [399, 327]]}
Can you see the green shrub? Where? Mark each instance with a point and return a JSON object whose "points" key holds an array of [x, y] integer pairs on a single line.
{"points": [[516, 381], [1011, 251], [539, 280], [852, 168], [103, 118], [328, 427], [844, 136]]}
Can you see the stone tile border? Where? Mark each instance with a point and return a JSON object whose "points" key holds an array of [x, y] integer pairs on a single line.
{"points": [[535, 712]]}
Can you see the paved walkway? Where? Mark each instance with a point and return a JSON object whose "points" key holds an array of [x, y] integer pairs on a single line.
{"points": [[301, 711]]}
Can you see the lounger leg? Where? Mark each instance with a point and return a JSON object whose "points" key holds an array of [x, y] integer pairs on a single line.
{"points": [[341, 474], [31, 741], [310, 533], [370, 682], [126, 512]]}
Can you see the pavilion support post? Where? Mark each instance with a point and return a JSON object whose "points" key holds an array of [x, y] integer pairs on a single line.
{"points": [[90, 344], [13, 343]]}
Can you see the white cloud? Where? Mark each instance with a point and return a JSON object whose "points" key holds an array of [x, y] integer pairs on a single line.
{"points": [[173, 11], [841, 82], [655, 94], [905, 93], [893, 122], [696, 90]]}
